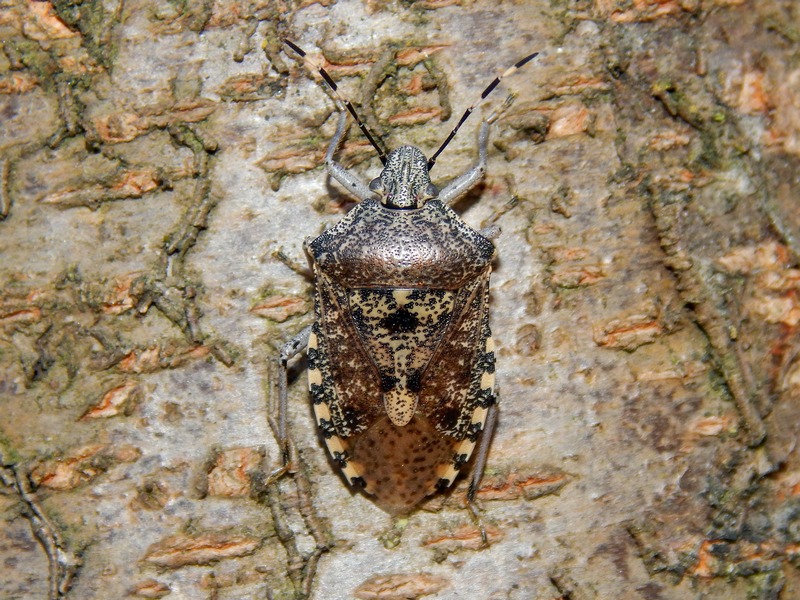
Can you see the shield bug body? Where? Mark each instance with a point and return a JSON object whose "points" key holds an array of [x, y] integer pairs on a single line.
{"points": [[400, 356]]}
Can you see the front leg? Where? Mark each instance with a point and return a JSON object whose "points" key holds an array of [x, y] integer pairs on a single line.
{"points": [[461, 184], [353, 184]]}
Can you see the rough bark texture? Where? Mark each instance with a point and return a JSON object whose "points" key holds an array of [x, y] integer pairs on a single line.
{"points": [[159, 170]]}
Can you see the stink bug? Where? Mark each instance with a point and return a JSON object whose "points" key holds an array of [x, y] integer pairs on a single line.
{"points": [[400, 356]]}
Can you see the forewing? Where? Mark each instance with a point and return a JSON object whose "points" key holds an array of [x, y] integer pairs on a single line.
{"points": [[344, 384], [458, 386], [400, 464]]}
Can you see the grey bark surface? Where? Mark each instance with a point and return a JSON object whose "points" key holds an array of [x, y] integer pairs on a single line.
{"points": [[161, 164]]}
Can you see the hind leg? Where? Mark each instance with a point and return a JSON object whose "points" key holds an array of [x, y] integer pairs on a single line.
{"points": [[288, 351]]}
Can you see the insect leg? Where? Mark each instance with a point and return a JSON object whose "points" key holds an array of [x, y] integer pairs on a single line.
{"points": [[288, 351], [490, 233], [337, 171], [465, 181], [477, 470], [483, 451]]}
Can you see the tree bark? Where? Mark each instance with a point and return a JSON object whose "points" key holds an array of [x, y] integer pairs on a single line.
{"points": [[161, 165]]}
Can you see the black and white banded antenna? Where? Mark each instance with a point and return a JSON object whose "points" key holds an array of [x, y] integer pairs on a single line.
{"points": [[489, 88], [335, 89]]}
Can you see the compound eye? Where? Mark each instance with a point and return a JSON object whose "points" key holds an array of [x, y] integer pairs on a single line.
{"points": [[376, 185], [431, 191]]}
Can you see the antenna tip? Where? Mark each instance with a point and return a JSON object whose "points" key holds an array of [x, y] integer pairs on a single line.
{"points": [[526, 60]]}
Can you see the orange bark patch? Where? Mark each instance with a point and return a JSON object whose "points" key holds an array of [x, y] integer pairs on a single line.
{"points": [[516, 485], [17, 83], [627, 335], [231, 474], [119, 300], [412, 56], [467, 537], [415, 116], [280, 308], [23, 315], [576, 276], [181, 550], [43, 24], [753, 98], [148, 360], [115, 401], [400, 586], [569, 119], [81, 465], [150, 589]]}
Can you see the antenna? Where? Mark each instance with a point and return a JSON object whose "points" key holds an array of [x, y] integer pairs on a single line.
{"points": [[519, 64], [341, 99]]}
